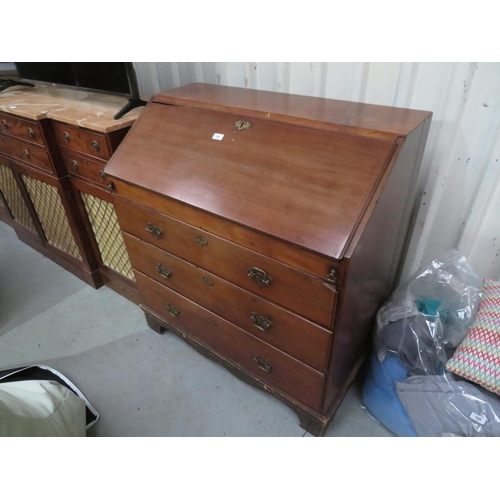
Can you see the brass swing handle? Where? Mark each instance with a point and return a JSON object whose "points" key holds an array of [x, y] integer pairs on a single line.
{"points": [[263, 364], [261, 322], [156, 231], [174, 311], [163, 271], [259, 276]]}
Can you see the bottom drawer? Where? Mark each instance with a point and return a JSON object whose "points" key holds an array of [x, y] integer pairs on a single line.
{"points": [[266, 362]]}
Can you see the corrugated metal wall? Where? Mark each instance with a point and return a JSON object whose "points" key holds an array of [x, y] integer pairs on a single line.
{"points": [[459, 204]]}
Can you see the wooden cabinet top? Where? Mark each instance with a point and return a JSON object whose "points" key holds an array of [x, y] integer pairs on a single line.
{"points": [[91, 110], [301, 169]]}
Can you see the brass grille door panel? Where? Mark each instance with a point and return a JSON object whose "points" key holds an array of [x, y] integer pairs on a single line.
{"points": [[108, 235], [50, 211], [14, 199]]}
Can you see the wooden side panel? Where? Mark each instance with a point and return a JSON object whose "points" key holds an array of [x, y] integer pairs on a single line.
{"points": [[373, 267]]}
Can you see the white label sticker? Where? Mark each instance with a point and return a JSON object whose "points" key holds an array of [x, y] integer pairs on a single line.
{"points": [[218, 137], [481, 419]]}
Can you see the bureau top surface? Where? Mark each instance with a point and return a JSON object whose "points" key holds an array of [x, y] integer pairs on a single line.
{"points": [[309, 186], [92, 110], [350, 117]]}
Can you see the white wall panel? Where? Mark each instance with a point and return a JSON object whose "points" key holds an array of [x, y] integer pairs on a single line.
{"points": [[459, 185]]}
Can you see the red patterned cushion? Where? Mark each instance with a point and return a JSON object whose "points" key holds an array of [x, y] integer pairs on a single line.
{"points": [[478, 356]]}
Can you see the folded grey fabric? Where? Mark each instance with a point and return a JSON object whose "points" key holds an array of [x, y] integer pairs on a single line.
{"points": [[439, 405]]}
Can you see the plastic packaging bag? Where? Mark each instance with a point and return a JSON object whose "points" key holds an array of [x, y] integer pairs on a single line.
{"points": [[417, 331], [427, 318]]}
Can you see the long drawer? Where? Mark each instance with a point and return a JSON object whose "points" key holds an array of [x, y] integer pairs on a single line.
{"points": [[21, 128], [26, 152], [263, 360], [292, 334], [288, 287], [82, 141]]}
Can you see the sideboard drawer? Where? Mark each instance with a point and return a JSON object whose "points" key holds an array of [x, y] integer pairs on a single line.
{"points": [[263, 360], [292, 334], [270, 279], [83, 167], [21, 128], [82, 141], [26, 153]]}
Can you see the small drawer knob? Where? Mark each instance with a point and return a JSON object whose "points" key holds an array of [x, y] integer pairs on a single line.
{"points": [[102, 174], [95, 145], [74, 164], [263, 364], [67, 137], [5, 125], [259, 276], [31, 132], [26, 153]]}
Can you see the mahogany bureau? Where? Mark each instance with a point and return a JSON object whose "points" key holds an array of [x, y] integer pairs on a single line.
{"points": [[54, 145], [266, 230]]}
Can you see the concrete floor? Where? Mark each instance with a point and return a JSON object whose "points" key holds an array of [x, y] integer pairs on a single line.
{"points": [[141, 383]]}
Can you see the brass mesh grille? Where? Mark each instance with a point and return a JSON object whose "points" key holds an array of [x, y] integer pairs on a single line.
{"points": [[108, 235], [50, 211], [14, 199]]}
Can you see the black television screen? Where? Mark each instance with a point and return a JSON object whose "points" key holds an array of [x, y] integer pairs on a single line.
{"points": [[111, 77], [102, 76]]}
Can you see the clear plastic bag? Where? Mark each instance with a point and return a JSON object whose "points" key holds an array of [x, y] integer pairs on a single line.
{"points": [[427, 317], [417, 331]]}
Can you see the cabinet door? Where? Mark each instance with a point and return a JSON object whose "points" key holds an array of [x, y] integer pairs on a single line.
{"points": [[50, 210], [108, 235], [98, 213], [12, 203]]}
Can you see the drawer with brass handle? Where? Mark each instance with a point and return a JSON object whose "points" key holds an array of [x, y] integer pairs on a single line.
{"points": [[82, 141], [261, 275], [21, 128], [84, 168], [27, 153], [259, 358], [292, 334]]}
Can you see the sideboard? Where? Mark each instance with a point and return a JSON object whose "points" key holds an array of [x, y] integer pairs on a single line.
{"points": [[54, 146]]}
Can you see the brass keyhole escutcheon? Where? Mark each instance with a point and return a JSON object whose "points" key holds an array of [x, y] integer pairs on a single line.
{"points": [[201, 241], [206, 281], [242, 124]]}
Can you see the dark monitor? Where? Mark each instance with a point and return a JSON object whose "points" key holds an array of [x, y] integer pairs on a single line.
{"points": [[101, 76], [111, 77]]}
